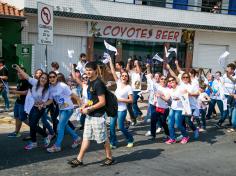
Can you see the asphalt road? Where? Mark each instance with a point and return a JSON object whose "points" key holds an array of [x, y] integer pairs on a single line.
{"points": [[212, 154]]}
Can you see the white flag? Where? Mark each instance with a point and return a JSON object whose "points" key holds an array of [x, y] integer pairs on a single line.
{"points": [[70, 53], [166, 52], [222, 58], [172, 50], [157, 57], [110, 47], [106, 58]]}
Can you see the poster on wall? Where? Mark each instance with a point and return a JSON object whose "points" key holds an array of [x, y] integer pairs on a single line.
{"points": [[134, 32], [0, 47]]}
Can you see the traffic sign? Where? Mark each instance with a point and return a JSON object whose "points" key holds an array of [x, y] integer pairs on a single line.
{"points": [[45, 24]]}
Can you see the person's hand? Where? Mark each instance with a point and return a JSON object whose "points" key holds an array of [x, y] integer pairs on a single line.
{"points": [[167, 66], [176, 62], [148, 65], [136, 62], [129, 60]]}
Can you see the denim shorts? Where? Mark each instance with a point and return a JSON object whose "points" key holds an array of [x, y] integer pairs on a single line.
{"points": [[19, 112]]}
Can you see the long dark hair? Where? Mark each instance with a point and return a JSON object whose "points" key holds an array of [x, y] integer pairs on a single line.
{"points": [[46, 86], [61, 78]]}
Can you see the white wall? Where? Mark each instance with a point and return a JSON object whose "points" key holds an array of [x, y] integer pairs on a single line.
{"points": [[213, 39], [107, 8]]}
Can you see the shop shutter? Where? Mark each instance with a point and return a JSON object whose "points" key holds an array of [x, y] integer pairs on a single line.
{"points": [[57, 52], [208, 55]]}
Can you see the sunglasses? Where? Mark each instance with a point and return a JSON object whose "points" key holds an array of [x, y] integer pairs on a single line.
{"points": [[52, 77], [185, 77], [84, 77], [125, 76]]}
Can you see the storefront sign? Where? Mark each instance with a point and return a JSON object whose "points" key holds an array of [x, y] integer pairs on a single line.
{"points": [[45, 24], [134, 32]]}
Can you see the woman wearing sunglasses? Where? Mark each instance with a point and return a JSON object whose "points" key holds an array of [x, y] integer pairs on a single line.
{"points": [[40, 95], [124, 95], [175, 114], [61, 94]]}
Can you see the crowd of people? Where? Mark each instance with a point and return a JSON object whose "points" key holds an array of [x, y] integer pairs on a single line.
{"points": [[180, 99]]}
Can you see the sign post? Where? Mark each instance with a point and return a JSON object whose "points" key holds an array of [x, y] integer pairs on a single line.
{"points": [[45, 27]]}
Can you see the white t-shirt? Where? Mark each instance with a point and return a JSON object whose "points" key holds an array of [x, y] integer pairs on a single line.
{"points": [[218, 90], [229, 86], [191, 88], [159, 101], [61, 94], [176, 93], [136, 81], [151, 87], [122, 92], [202, 103], [37, 94], [81, 67]]}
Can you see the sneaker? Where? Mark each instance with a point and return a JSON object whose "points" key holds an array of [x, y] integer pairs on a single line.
{"points": [[47, 140], [54, 149], [158, 130], [184, 140], [202, 130], [179, 138], [218, 125], [148, 133], [31, 145], [196, 133], [112, 146], [170, 141], [130, 145], [14, 135], [231, 130], [76, 142]]}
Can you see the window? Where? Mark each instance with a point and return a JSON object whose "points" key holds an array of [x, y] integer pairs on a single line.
{"points": [[158, 3], [213, 6]]}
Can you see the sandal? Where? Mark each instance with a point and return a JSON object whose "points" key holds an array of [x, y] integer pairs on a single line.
{"points": [[70, 160], [76, 162], [107, 162]]}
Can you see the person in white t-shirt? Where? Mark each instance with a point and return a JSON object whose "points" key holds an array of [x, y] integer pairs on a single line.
{"points": [[36, 107], [136, 80], [175, 114], [124, 95], [61, 94], [228, 81], [203, 102], [81, 64]]}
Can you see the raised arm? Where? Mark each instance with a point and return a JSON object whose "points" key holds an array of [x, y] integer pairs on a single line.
{"points": [[172, 73], [74, 76], [177, 66], [25, 75], [137, 66], [113, 72], [128, 65]]}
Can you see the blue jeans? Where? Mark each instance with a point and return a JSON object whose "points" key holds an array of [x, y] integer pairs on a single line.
{"points": [[34, 117], [121, 116], [175, 117], [46, 124], [234, 118], [64, 116], [136, 109], [212, 106], [188, 121], [5, 97], [228, 112]]}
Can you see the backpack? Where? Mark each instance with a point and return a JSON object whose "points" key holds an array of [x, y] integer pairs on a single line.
{"points": [[111, 104]]}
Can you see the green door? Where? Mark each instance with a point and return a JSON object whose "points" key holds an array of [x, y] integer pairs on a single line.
{"points": [[24, 55]]}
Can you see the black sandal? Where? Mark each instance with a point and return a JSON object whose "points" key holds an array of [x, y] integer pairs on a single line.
{"points": [[107, 162], [70, 160], [76, 163]]}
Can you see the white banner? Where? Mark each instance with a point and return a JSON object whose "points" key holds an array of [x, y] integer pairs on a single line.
{"points": [[134, 32], [45, 24]]}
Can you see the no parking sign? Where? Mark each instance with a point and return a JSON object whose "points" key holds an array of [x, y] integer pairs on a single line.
{"points": [[45, 24]]}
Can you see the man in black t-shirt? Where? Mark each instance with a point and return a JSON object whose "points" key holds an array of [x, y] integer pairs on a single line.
{"points": [[19, 113], [95, 123], [4, 84]]}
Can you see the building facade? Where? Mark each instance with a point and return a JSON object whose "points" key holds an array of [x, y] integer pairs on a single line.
{"points": [[137, 29]]}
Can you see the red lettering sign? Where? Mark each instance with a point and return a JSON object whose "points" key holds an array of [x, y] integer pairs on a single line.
{"points": [[105, 32], [144, 33], [115, 31], [130, 32]]}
